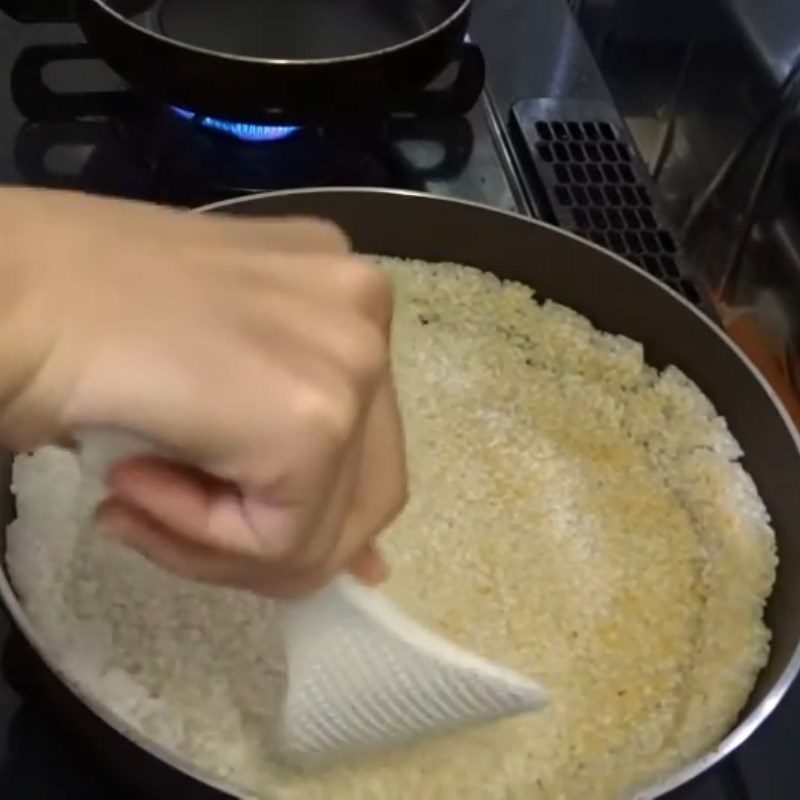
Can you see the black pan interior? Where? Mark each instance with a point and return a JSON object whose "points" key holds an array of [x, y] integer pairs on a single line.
{"points": [[294, 30]]}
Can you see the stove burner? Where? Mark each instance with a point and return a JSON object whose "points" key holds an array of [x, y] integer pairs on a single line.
{"points": [[243, 131]]}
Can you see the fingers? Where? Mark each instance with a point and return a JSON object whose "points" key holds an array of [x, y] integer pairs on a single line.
{"points": [[339, 284], [317, 530], [203, 511], [380, 490], [172, 552], [158, 544], [203, 529], [179, 510]]}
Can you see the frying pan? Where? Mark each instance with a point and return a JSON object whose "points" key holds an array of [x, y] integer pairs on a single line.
{"points": [[617, 297], [289, 60]]}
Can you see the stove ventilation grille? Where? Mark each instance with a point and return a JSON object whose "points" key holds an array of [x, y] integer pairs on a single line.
{"points": [[597, 186]]}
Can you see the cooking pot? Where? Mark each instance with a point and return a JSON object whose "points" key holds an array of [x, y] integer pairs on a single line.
{"points": [[617, 297], [291, 62]]}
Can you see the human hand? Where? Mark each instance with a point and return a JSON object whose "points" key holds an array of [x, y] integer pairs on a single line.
{"points": [[253, 354]]}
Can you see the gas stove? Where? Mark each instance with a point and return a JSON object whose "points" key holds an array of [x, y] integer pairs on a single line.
{"points": [[544, 140]]}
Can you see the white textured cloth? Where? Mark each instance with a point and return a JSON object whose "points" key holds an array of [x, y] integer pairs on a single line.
{"points": [[362, 677]]}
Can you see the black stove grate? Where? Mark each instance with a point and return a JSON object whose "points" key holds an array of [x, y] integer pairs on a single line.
{"points": [[596, 185]]}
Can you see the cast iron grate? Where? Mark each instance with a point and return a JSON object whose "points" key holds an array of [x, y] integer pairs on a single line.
{"points": [[596, 184]]}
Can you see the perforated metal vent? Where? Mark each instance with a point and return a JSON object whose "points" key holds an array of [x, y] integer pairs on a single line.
{"points": [[596, 184]]}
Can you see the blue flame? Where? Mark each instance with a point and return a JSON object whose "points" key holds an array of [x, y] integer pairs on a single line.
{"points": [[244, 131]]}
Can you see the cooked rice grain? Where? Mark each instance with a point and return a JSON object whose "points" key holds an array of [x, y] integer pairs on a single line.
{"points": [[575, 515]]}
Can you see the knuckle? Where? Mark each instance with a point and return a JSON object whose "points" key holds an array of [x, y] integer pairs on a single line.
{"points": [[330, 235], [330, 410], [367, 355], [367, 289]]}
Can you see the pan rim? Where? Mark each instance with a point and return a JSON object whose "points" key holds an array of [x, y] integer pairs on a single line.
{"points": [[673, 780], [288, 62]]}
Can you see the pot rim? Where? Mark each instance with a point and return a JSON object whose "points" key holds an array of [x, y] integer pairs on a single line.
{"points": [[103, 6]]}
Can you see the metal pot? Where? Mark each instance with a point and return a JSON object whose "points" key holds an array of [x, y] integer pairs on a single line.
{"points": [[289, 62], [617, 297]]}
